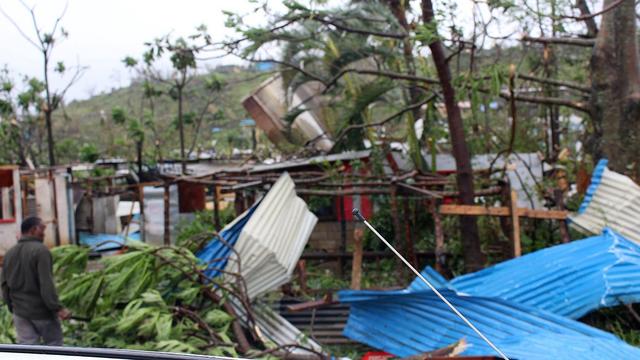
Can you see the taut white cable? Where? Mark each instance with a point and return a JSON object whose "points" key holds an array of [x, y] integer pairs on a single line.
{"points": [[357, 214]]}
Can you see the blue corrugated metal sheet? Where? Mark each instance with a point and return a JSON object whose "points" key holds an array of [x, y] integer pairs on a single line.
{"points": [[106, 242], [569, 279], [216, 253], [408, 322]]}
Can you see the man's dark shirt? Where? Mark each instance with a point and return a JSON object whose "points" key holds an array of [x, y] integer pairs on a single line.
{"points": [[27, 280]]}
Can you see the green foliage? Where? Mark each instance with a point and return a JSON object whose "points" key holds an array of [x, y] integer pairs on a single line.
{"points": [[89, 153], [427, 33], [119, 115], [147, 298]]}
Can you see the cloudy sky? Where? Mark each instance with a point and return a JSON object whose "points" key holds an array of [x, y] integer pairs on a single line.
{"points": [[102, 32]]}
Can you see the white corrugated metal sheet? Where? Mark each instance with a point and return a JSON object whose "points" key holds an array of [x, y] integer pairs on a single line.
{"points": [[613, 201], [273, 239]]}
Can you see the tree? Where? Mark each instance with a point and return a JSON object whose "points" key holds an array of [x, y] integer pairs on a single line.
{"points": [[134, 129], [183, 56], [182, 86], [615, 88], [45, 42], [379, 49]]}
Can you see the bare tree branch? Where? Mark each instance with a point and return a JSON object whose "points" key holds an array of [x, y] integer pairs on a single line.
{"points": [[568, 84], [411, 107], [577, 105], [560, 40], [358, 31], [591, 16], [19, 29]]}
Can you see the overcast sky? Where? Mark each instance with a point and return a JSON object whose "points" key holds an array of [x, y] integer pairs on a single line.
{"points": [[102, 32]]}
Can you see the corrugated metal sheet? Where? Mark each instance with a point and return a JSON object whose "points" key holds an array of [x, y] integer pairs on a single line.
{"points": [[273, 239], [406, 323], [612, 200], [268, 239], [268, 106], [280, 331], [569, 279], [216, 253]]}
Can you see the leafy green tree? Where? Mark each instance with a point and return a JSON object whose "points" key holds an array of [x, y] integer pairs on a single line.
{"points": [[45, 42], [182, 53]]}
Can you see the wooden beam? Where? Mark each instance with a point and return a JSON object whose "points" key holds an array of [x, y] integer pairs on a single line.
{"points": [[167, 215], [356, 264], [478, 210], [437, 223], [515, 224]]}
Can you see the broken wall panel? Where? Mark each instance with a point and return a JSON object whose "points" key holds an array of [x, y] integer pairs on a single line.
{"points": [[105, 219], [154, 213], [191, 197], [45, 209], [53, 207], [10, 227]]}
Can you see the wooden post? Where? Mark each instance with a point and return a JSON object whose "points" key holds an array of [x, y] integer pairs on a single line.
{"points": [[408, 241], [239, 202], [216, 206], [564, 230], [56, 222], [343, 235], [356, 264], [400, 268], [439, 236], [6, 204], [515, 224], [89, 195], [142, 219], [167, 215], [25, 196], [302, 276]]}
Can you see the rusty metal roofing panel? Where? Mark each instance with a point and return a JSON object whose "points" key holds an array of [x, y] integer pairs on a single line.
{"points": [[612, 200]]}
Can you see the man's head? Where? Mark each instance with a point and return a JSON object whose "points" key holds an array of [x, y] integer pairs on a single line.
{"points": [[33, 226]]}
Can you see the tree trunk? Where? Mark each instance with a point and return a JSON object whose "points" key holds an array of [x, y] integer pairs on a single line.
{"points": [[473, 257], [615, 90], [48, 111], [181, 130], [398, 8], [52, 158]]}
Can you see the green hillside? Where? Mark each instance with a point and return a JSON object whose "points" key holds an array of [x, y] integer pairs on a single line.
{"points": [[90, 121]]}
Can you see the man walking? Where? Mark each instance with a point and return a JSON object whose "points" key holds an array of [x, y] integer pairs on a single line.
{"points": [[29, 290]]}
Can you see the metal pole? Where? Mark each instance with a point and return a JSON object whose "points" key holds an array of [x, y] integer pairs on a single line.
{"points": [[357, 214]]}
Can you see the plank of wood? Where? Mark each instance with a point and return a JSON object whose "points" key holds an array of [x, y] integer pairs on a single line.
{"points": [[515, 224], [479, 210]]}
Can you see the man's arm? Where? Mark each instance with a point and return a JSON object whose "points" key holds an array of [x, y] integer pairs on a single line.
{"points": [[47, 286], [5, 292]]}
